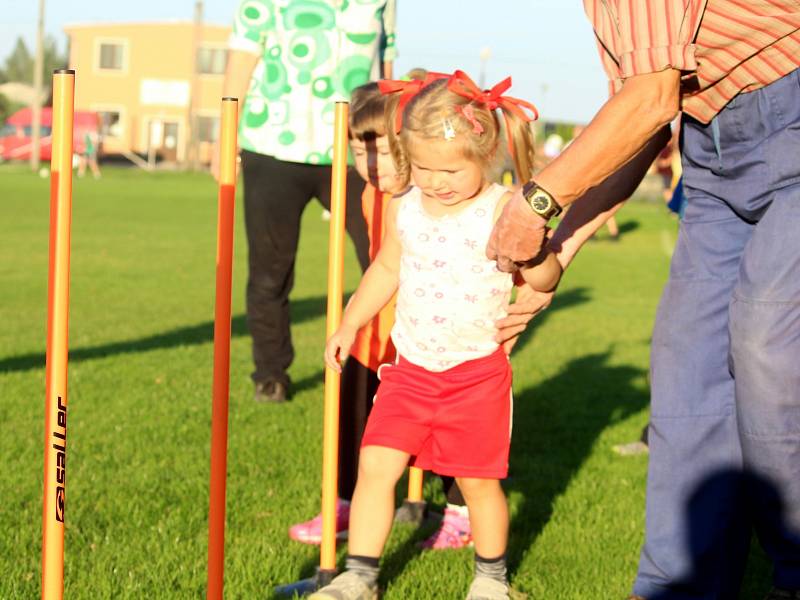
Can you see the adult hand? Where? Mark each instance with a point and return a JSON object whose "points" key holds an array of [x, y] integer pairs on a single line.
{"points": [[214, 166], [517, 236], [528, 304]]}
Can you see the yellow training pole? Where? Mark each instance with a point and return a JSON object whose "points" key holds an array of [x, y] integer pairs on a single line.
{"points": [[414, 484], [222, 349], [330, 434], [55, 419]]}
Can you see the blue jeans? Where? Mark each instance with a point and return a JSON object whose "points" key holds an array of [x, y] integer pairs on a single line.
{"points": [[725, 364]]}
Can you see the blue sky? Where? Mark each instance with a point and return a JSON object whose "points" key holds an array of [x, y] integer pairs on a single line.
{"points": [[545, 45]]}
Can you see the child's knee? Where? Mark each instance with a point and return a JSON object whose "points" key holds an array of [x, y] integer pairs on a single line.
{"points": [[475, 488], [378, 463]]}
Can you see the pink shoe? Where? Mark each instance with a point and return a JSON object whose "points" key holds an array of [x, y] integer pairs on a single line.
{"points": [[454, 532], [310, 532]]}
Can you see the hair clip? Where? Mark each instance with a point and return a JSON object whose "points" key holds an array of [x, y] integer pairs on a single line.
{"points": [[449, 130], [469, 114]]}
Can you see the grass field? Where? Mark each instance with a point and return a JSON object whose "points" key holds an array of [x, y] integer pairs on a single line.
{"points": [[142, 290]]}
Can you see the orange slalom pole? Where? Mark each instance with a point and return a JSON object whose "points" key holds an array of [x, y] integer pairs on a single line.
{"points": [[330, 435], [55, 420], [222, 349], [415, 484]]}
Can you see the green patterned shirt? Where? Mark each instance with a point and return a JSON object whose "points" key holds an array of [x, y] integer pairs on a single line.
{"points": [[312, 54]]}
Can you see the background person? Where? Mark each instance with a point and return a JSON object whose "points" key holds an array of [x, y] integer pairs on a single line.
{"points": [[290, 63]]}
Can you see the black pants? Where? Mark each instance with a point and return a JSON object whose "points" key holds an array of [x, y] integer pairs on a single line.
{"points": [[275, 194], [359, 384]]}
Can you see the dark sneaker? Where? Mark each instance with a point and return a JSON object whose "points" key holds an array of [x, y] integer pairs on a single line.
{"points": [[270, 391], [777, 594]]}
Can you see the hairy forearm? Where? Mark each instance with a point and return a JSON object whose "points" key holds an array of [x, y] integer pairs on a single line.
{"points": [[619, 131], [373, 293], [593, 209]]}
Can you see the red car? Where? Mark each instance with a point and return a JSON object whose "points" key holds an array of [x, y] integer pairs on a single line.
{"points": [[15, 135]]}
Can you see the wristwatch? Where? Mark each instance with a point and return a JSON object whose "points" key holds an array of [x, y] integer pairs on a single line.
{"points": [[540, 201]]}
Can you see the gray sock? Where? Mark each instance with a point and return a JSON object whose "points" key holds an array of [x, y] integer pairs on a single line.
{"points": [[494, 568], [366, 567]]}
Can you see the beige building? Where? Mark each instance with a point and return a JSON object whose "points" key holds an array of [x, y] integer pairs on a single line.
{"points": [[145, 79]]}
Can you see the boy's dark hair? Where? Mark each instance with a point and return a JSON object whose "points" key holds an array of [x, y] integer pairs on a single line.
{"points": [[367, 110]]}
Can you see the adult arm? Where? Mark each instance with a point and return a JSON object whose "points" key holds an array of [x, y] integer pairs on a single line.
{"points": [[235, 85], [619, 132], [583, 219]]}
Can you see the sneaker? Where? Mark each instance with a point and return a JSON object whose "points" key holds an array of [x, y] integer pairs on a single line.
{"points": [[271, 390], [310, 532], [777, 594], [347, 586], [486, 588], [454, 532]]}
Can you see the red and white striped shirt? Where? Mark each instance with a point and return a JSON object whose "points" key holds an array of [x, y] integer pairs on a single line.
{"points": [[724, 47]]}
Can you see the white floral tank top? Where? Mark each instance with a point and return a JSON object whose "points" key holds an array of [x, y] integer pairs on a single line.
{"points": [[450, 294]]}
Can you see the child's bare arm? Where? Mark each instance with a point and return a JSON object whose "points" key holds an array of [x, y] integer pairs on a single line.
{"points": [[373, 293], [543, 276]]}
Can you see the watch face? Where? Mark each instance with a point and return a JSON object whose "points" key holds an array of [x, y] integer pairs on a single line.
{"points": [[540, 203]]}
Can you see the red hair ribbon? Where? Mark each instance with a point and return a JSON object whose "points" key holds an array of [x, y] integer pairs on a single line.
{"points": [[407, 89], [461, 84]]}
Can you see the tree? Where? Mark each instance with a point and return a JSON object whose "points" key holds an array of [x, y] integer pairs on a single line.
{"points": [[19, 64]]}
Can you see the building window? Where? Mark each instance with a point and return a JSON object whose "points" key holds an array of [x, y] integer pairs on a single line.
{"points": [[111, 56], [211, 61], [207, 129], [110, 123]]}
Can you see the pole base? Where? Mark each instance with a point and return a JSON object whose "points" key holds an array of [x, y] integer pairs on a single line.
{"points": [[411, 512], [305, 587]]}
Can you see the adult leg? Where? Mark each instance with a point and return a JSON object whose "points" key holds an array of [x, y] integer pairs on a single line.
{"points": [[765, 357], [275, 194], [695, 537], [760, 142]]}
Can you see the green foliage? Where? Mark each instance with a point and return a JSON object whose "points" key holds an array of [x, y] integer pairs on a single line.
{"points": [[7, 108], [19, 65], [142, 294]]}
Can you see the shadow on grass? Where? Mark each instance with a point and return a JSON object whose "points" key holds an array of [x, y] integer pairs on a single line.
{"points": [[304, 309], [556, 424]]}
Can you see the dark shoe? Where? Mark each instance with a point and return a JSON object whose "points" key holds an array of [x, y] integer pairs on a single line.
{"points": [[777, 594], [270, 391]]}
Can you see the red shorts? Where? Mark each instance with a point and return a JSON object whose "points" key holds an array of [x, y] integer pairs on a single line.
{"points": [[455, 422]]}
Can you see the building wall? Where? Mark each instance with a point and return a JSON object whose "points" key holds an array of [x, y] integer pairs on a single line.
{"points": [[149, 85]]}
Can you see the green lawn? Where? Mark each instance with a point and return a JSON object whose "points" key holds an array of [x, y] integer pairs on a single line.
{"points": [[142, 292]]}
